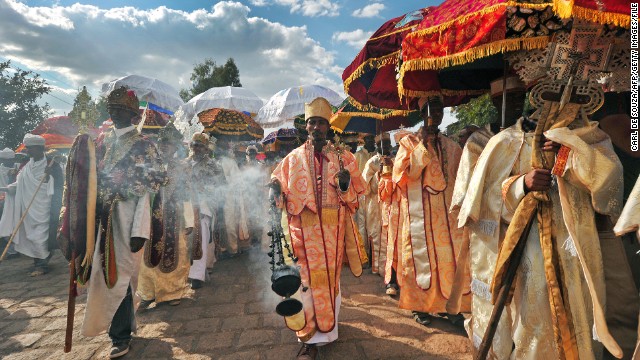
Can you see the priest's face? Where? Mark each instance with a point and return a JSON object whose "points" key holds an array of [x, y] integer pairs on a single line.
{"points": [[121, 117], [200, 150], [35, 151], [317, 128], [370, 143], [386, 147]]}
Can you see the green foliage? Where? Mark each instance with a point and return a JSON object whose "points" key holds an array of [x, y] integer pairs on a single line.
{"points": [[101, 105], [479, 111], [19, 110], [207, 75]]}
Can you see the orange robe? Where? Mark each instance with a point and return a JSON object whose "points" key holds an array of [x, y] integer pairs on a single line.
{"points": [[430, 239], [322, 230]]}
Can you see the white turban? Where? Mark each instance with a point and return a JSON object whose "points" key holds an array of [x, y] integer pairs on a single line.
{"points": [[33, 140], [7, 154]]}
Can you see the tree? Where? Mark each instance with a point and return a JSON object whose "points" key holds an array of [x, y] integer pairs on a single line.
{"points": [[207, 75], [19, 110], [479, 111], [101, 105]]}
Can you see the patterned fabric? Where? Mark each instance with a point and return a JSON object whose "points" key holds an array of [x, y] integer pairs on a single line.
{"points": [[128, 166], [224, 122], [321, 227], [430, 241]]}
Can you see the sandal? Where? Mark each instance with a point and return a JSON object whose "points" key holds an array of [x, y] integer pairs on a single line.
{"points": [[422, 318]]}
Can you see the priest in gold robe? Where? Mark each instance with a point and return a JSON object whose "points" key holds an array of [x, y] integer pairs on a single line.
{"points": [[587, 180], [425, 171], [318, 185]]}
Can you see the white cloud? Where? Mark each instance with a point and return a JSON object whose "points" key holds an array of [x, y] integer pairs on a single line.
{"points": [[311, 8], [371, 10], [88, 45], [356, 38]]}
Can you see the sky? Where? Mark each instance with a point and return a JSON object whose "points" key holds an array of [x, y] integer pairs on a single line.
{"points": [[275, 43]]}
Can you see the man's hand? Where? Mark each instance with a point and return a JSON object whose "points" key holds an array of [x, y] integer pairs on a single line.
{"points": [[537, 180], [549, 145], [136, 243], [188, 231], [343, 178]]}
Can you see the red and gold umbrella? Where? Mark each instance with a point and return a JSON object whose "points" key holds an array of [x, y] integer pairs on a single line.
{"points": [[464, 39], [232, 124]]}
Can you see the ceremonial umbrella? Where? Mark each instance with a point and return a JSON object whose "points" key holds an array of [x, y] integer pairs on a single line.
{"points": [[225, 97], [286, 135], [152, 93], [465, 39], [371, 77], [231, 124], [59, 132], [354, 117], [286, 104]]}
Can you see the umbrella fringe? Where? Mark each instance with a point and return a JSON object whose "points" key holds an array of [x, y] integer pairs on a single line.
{"points": [[370, 64], [467, 56], [566, 10], [471, 16]]}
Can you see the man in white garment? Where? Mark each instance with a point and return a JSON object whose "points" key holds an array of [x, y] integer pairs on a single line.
{"points": [[206, 180], [7, 176], [129, 170], [33, 190]]}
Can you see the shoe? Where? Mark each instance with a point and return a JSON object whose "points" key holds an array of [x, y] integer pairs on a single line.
{"points": [[38, 272], [196, 284], [174, 302], [119, 350], [307, 352], [145, 304], [392, 289], [422, 318], [457, 319]]}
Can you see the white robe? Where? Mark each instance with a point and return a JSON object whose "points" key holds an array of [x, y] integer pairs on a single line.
{"points": [[235, 220], [6, 222], [131, 218], [33, 235]]}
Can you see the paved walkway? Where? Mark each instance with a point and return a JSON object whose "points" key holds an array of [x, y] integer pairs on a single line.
{"points": [[232, 317]]}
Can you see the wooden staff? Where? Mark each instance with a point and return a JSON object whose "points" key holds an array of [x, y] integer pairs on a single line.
{"points": [[24, 215], [71, 304]]}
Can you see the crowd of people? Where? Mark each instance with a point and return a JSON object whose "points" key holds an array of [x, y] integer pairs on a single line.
{"points": [[441, 220]]}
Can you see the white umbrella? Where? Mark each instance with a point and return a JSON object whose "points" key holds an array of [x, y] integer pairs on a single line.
{"points": [[148, 89], [225, 97], [288, 103]]}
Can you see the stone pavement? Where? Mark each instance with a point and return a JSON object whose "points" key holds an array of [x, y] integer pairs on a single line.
{"points": [[232, 317]]}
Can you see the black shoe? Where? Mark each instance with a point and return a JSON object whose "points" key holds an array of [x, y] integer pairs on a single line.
{"points": [[196, 284], [119, 350], [392, 289], [422, 318], [145, 304]]}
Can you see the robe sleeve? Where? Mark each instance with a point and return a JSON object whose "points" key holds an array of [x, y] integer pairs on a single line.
{"points": [[356, 185], [369, 173], [142, 218], [411, 159], [592, 166], [512, 193], [386, 187]]}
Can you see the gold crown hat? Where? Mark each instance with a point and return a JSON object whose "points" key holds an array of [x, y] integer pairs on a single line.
{"points": [[170, 134], [319, 107], [383, 136], [124, 99], [513, 84]]}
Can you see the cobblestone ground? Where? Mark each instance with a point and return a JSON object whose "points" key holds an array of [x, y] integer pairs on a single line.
{"points": [[232, 317]]}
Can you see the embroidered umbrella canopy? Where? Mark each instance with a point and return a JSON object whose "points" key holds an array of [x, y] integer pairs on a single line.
{"points": [[286, 104], [157, 94], [286, 135], [225, 97], [231, 124], [59, 132], [355, 117], [465, 39], [371, 77]]}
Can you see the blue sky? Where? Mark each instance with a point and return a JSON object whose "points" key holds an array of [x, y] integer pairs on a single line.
{"points": [[276, 43]]}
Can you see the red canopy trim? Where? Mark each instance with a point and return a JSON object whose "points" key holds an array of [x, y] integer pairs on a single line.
{"points": [[608, 12]]}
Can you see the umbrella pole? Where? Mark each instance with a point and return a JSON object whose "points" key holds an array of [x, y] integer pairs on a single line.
{"points": [[504, 95]]}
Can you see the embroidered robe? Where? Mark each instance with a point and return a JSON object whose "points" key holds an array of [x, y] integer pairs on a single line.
{"points": [[322, 230], [430, 241]]}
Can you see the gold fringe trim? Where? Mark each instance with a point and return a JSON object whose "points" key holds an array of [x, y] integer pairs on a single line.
{"points": [[468, 56], [409, 28], [607, 18], [368, 65], [375, 112], [463, 19], [563, 8]]}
